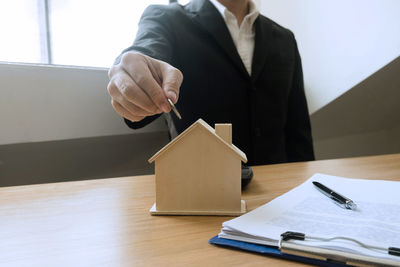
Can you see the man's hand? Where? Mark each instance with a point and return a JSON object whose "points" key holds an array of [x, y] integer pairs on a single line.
{"points": [[140, 85]]}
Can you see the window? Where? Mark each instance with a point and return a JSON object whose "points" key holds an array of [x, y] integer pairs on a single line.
{"points": [[20, 31], [69, 32], [93, 32]]}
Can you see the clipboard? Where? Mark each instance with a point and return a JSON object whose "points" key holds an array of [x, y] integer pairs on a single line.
{"points": [[286, 246], [356, 240], [310, 254], [272, 251]]}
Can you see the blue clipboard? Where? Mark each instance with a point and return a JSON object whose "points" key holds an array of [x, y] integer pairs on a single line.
{"points": [[270, 251]]}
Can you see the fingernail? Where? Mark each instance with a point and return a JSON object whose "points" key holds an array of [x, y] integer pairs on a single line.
{"points": [[172, 95]]}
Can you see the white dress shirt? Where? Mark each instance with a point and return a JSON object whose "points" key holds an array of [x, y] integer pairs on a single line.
{"points": [[242, 36]]}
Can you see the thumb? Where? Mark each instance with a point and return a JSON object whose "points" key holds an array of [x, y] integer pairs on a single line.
{"points": [[171, 82]]}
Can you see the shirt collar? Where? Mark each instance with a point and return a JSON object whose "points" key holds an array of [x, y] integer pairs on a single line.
{"points": [[251, 16]]}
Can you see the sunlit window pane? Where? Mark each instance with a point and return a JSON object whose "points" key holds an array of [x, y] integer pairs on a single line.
{"points": [[93, 32], [183, 2], [20, 31]]}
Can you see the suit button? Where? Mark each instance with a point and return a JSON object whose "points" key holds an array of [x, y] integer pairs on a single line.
{"points": [[257, 131], [253, 88]]}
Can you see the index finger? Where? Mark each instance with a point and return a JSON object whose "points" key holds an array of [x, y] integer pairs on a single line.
{"points": [[141, 74]]}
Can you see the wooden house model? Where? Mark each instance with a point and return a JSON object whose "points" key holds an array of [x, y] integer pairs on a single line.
{"points": [[199, 173]]}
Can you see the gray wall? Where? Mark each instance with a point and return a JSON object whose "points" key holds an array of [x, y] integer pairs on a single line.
{"points": [[79, 159], [350, 53], [57, 124], [46, 103], [363, 121]]}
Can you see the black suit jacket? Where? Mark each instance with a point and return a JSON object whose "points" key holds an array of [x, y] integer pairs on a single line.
{"points": [[268, 109]]}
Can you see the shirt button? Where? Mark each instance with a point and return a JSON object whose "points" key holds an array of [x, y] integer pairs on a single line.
{"points": [[257, 131]]}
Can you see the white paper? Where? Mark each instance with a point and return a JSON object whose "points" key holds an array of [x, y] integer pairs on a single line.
{"points": [[305, 209]]}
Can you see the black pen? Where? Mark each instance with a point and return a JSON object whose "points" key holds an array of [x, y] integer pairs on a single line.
{"points": [[340, 200]]}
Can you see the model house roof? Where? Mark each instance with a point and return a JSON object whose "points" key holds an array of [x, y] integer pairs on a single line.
{"points": [[195, 126]]}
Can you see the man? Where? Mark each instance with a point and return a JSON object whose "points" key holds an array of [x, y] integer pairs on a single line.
{"points": [[225, 63]]}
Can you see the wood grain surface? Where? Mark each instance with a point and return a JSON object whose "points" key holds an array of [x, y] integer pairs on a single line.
{"points": [[106, 222]]}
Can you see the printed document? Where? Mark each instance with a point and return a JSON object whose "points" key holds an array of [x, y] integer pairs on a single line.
{"points": [[375, 224]]}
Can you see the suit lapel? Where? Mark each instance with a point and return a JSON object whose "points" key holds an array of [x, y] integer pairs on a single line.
{"points": [[261, 47], [210, 19]]}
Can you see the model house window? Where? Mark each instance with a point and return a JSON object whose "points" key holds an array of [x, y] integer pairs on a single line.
{"points": [[69, 32]]}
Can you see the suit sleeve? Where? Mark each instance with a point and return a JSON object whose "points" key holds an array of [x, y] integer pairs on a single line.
{"points": [[154, 39], [299, 143]]}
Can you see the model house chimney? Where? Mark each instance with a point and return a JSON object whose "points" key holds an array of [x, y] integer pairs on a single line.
{"points": [[224, 130]]}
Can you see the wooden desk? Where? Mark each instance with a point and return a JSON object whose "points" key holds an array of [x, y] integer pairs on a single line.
{"points": [[106, 222]]}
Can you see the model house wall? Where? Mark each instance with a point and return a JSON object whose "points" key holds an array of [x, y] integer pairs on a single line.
{"points": [[199, 172]]}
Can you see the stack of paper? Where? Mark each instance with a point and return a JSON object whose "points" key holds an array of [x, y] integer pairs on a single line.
{"points": [[374, 225]]}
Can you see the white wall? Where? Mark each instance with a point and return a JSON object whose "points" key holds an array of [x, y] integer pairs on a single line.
{"points": [[341, 42], [43, 103]]}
